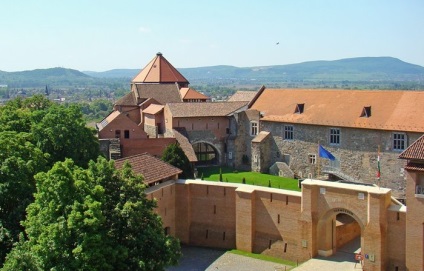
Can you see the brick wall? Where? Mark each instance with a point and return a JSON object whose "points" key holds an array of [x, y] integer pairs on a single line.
{"points": [[414, 223], [281, 223]]}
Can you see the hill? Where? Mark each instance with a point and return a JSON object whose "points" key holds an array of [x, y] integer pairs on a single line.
{"points": [[351, 69], [43, 77]]}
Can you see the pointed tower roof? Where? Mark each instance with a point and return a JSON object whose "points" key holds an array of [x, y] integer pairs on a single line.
{"points": [[159, 70]]}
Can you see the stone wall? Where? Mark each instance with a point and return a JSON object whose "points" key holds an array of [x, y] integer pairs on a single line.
{"points": [[151, 130], [243, 140], [357, 153]]}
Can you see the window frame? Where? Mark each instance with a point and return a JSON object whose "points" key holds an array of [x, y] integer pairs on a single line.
{"points": [[335, 138], [288, 134], [254, 128], [312, 158], [397, 142]]}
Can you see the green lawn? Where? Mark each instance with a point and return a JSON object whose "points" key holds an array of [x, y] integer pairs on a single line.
{"points": [[255, 178], [263, 257]]}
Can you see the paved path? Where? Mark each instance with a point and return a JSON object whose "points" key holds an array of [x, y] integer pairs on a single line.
{"points": [[342, 260], [201, 259]]}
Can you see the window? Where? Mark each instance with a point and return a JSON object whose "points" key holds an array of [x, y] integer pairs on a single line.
{"points": [[253, 128], [288, 132], [366, 112], [335, 136], [312, 158], [117, 133], [299, 108], [127, 134], [399, 141]]}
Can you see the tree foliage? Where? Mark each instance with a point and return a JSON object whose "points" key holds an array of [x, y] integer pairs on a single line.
{"points": [[174, 155], [62, 133], [92, 219], [34, 134], [20, 160]]}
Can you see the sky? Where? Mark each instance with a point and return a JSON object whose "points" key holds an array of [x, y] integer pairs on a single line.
{"points": [[100, 35]]}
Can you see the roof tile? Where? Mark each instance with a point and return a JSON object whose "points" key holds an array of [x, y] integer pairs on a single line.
{"points": [[163, 93], [218, 109], [159, 70], [153, 169], [391, 110], [415, 150]]}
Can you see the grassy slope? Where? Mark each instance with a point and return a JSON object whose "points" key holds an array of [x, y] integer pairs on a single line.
{"points": [[255, 178]]}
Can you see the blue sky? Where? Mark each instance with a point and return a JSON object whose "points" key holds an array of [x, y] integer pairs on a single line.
{"points": [[102, 35]]}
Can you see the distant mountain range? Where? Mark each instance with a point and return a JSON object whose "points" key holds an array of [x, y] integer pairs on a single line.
{"points": [[353, 69], [360, 69]]}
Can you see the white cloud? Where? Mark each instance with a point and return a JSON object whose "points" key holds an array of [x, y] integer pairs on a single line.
{"points": [[143, 29]]}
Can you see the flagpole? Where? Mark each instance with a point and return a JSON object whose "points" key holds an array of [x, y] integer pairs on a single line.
{"points": [[378, 167], [318, 161]]}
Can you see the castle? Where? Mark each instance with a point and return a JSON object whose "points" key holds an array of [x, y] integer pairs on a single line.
{"points": [[279, 131]]}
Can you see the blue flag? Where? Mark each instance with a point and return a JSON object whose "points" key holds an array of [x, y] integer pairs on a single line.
{"points": [[325, 154]]}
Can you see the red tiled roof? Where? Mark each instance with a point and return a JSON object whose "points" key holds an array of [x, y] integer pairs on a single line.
{"points": [[180, 134], [189, 93], [415, 150], [153, 169], [159, 70], [414, 167], [153, 109], [218, 109], [390, 110], [128, 99], [163, 93], [245, 96]]}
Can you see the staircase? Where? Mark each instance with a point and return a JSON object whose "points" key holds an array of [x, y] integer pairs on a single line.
{"points": [[338, 173]]}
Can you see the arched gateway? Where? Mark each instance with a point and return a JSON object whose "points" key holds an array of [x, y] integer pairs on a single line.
{"points": [[206, 153], [364, 211]]}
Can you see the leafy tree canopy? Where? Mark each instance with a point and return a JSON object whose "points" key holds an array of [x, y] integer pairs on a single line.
{"points": [[92, 219], [174, 155], [20, 160]]}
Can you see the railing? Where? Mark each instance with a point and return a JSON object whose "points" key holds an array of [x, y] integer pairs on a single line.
{"points": [[419, 190]]}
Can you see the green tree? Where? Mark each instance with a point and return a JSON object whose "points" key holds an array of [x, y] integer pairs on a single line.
{"points": [[92, 219], [20, 160], [62, 133], [174, 155]]}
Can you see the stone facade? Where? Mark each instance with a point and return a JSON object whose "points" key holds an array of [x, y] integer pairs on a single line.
{"points": [[356, 155]]}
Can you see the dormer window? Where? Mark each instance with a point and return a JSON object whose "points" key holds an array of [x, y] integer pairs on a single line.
{"points": [[299, 108], [366, 112]]}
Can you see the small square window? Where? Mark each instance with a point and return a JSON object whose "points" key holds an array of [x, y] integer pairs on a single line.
{"points": [[126, 134]]}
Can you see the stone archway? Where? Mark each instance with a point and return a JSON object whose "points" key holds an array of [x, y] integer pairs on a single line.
{"points": [[368, 205], [337, 228], [206, 153]]}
